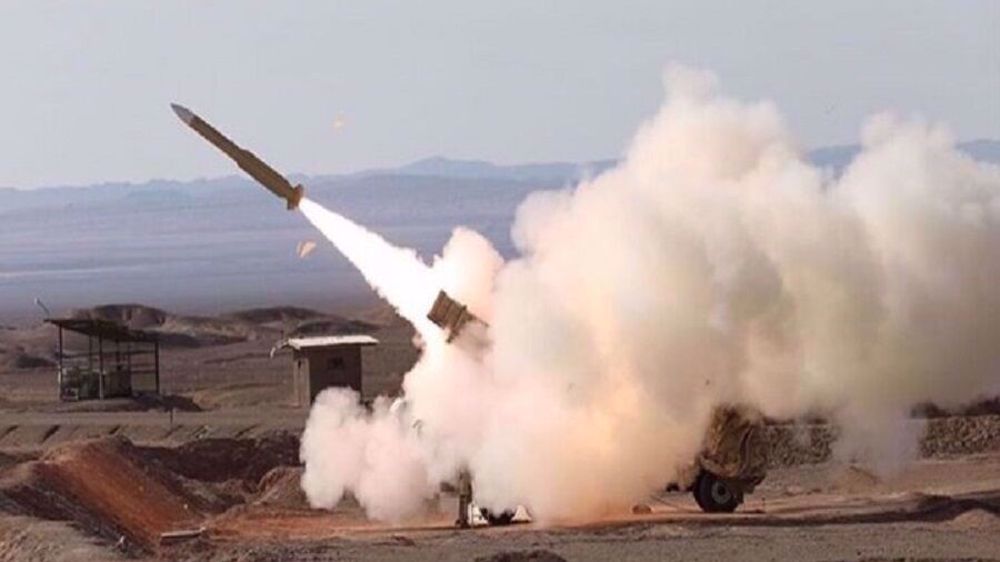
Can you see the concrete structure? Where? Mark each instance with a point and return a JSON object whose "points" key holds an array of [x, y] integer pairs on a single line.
{"points": [[326, 361]]}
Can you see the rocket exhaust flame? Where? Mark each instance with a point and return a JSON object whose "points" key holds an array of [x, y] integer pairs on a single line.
{"points": [[397, 274]]}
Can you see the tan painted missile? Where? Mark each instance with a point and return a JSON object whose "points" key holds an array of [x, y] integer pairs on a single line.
{"points": [[246, 160]]}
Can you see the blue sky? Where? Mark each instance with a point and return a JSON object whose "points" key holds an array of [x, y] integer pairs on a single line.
{"points": [[320, 87]]}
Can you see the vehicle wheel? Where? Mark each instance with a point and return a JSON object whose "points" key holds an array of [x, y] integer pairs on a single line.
{"points": [[505, 517], [714, 495]]}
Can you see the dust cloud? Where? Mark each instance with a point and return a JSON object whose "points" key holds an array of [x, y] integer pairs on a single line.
{"points": [[713, 265]]}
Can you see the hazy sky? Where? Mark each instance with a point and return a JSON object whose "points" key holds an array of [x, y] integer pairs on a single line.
{"points": [[86, 84]]}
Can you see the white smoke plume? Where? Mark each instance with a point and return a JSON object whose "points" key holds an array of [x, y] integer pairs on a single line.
{"points": [[397, 274], [713, 265]]}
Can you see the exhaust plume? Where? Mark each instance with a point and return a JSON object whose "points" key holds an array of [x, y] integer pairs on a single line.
{"points": [[397, 274], [713, 265]]}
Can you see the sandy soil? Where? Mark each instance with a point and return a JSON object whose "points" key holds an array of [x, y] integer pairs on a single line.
{"points": [[244, 494], [218, 455], [936, 509]]}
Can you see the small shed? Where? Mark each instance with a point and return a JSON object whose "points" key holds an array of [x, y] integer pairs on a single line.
{"points": [[117, 361], [326, 361]]}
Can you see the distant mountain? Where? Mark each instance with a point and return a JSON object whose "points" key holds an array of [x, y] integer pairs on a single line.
{"points": [[838, 157], [542, 174], [210, 245], [439, 166], [986, 150]]}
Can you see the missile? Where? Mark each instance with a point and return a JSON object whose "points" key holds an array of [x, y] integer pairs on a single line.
{"points": [[246, 160]]}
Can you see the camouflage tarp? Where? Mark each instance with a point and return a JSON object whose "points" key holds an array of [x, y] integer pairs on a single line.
{"points": [[735, 447]]}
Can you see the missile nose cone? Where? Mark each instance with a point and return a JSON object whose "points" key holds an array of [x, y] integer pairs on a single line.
{"points": [[184, 113]]}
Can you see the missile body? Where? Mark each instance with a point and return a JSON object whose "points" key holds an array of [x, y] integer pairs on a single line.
{"points": [[246, 160]]}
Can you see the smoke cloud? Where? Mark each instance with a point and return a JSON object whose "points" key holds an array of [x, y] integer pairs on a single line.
{"points": [[713, 265]]}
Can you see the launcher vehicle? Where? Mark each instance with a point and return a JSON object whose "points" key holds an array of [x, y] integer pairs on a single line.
{"points": [[732, 463]]}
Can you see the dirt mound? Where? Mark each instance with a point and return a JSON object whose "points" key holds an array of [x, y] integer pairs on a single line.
{"points": [[112, 488], [268, 315], [25, 538], [134, 316], [334, 326], [254, 324], [31, 347], [382, 314], [220, 460], [173, 330], [104, 487], [6, 460], [197, 331], [977, 519], [166, 402], [140, 403], [281, 487], [294, 321], [27, 348], [19, 358], [522, 556]]}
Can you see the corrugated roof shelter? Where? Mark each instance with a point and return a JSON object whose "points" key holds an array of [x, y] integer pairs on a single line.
{"points": [[118, 361], [326, 361]]}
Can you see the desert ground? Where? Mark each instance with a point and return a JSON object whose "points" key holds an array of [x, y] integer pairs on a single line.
{"points": [[209, 471]]}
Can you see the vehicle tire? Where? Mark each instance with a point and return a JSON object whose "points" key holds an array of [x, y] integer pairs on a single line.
{"points": [[505, 517], [714, 495]]}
